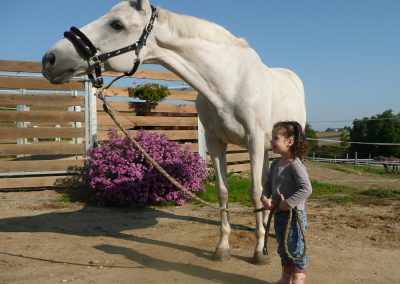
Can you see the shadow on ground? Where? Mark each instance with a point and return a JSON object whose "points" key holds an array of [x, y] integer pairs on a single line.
{"points": [[92, 221], [190, 269]]}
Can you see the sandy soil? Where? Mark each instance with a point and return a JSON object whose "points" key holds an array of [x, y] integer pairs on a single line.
{"points": [[47, 241]]}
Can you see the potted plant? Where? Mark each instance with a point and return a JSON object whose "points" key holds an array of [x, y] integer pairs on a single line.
{"points": [[151, 93]]}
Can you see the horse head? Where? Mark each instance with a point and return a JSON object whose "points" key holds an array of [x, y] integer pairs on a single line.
{"points": [[121, 27]]}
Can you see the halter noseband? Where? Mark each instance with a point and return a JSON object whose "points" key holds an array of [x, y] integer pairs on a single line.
{"points": [[89, 52]]}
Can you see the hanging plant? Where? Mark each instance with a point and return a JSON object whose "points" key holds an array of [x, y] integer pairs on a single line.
{"points": [[151, 93]]}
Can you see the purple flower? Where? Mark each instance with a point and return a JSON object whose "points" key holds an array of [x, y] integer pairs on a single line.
{"points": [[120, 175]]}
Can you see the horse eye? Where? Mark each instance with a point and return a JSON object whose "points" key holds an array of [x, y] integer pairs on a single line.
{"points": [[117, 25]]}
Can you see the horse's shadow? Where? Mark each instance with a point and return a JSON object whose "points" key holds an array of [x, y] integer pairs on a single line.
{"points": [[185, 268], [91, 221]]}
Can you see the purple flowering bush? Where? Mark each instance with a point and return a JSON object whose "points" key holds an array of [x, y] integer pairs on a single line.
{"points": [[120, 175]]}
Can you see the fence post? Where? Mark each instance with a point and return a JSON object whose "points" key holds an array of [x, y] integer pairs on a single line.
{"points": [[57, 139], [22, 124], [201, 140], [35, 139], [77, 124], [87, 128], [93, 115], [355, 159], [90, 115]]}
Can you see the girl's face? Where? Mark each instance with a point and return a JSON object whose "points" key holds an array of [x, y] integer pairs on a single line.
{"points": [[280, 143]]}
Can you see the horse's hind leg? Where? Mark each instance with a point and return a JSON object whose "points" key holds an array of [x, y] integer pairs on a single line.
{"points": [[217, 150]]}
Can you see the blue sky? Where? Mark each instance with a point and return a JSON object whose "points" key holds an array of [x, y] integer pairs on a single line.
{"points": [[347, 52]]}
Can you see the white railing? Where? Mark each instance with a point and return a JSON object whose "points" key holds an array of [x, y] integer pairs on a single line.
{"points": [[360, 162]]}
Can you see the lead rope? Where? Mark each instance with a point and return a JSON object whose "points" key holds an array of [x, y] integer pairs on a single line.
{"points": [[265, 249], [303, 232], [302, 229]]}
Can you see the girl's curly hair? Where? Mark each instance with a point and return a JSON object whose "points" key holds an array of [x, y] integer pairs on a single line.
{"points": [[293, 128]]}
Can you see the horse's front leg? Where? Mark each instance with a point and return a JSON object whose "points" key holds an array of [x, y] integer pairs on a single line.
{"points": [[259, 162], [264, 180], [217, 151]]}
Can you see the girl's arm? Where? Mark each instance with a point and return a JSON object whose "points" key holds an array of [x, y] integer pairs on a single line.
{"points": [[302, 180]]}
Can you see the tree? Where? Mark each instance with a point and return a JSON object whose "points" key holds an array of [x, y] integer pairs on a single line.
{"points": [[380, 128], [344, 138], [310, 133]]}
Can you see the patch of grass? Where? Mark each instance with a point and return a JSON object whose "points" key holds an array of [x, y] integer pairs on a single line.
{"points": [[347, 168], [382, 193], [210, 194], [370, 169], [321, 189], [333, 193], [340, 168], [238, 191], [345, 194]]}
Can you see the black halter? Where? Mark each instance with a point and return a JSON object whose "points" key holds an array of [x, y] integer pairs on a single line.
{"points": [[89, 52]]}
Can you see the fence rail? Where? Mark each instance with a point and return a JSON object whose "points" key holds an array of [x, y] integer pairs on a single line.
{"points": [[363, 162], [45, 128]]}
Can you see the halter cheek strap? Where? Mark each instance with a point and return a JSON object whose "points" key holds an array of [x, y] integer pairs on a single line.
{"points": [[88, 51]]}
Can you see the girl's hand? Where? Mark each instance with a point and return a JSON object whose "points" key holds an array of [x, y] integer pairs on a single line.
{"points": [[284, 206], [267, 203]]}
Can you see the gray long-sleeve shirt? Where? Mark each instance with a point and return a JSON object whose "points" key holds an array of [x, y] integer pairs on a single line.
{"points": [[291, 180]]}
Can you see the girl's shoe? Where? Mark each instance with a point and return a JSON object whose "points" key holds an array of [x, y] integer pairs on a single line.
{"points": [[286, 275], [298, 278]]}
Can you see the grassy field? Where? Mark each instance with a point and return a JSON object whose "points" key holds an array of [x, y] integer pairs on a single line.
{"points": [[238, 192], [325, 192], [351, 168]]}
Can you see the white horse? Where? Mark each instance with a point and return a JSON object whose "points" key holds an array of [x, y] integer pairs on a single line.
{"points": [[239, 97]]}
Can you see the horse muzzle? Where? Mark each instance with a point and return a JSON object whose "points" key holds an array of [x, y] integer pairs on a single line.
{"points": [[59, 68]]}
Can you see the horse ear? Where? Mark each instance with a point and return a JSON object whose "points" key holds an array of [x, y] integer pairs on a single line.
{"points": [[140, 4]]}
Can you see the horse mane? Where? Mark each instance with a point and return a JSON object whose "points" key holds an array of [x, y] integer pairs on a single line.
{"points": [[191, 27]]}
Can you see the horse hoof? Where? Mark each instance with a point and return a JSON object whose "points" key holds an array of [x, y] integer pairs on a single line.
{"points": [[222, 254], [260, 259]]}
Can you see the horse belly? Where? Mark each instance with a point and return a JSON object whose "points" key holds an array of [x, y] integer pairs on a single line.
{"points": [[228, 130], [220, 123]]}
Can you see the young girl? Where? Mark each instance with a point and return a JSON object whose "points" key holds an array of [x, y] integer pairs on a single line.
{"points": [[287, 188]]}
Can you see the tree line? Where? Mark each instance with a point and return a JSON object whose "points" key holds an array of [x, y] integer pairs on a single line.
{"points": [[380, 128]]}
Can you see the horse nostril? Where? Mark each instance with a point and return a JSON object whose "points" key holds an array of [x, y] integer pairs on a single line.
{"points": [[49, 58]]}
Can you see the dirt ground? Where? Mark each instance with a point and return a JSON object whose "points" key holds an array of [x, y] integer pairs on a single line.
{"points": [[47, 241]]}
